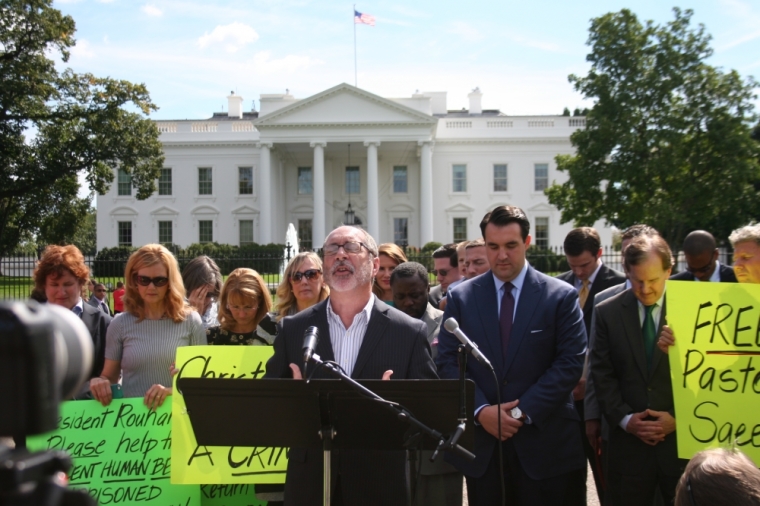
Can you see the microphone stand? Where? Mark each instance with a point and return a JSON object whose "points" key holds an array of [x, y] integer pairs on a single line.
{"points": [[328, 432]]}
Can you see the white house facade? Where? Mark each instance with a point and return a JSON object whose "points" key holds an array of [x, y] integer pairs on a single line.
{"points": [[411, 171]]}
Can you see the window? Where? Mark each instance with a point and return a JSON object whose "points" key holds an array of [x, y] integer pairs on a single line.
{"points": [[541, 173], [459, 182], [400, 235], [165, 232], [304, 181], [541, 232], [205, 185], [500, 178], [399, 179], [205, 231], [125, 184], [352, 180], [460, 229], [245, 180], [304, 235], [165, 182], [246, 232], [125, 233]]}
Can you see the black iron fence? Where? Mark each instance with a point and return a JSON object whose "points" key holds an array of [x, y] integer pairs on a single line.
{"points": [[16, 270]]}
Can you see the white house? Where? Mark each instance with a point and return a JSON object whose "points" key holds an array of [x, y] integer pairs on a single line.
{"points": [[410, 169]]}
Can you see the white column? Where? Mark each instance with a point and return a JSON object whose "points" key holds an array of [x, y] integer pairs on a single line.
{"points": [[426, 192], [318, 232], [265, 193], [373, 197]]}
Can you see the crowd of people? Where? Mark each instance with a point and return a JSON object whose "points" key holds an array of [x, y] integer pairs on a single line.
{"points": [[576, 374]]}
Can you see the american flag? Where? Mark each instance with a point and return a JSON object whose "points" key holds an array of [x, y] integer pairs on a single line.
{"points": [[363, 19]]}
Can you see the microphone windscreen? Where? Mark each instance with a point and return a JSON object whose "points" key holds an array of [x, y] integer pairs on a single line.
{"points": [[451, 325]]}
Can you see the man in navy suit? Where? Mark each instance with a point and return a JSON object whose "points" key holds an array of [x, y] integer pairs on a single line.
{"points": [[531, 328], [702, 263]]}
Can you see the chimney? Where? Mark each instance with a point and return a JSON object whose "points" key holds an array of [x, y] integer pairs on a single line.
{"points": [[475, 105], [234, 105]]}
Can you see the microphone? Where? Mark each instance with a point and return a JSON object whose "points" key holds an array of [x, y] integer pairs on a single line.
{"points": [[452, 326], [310, 340]]}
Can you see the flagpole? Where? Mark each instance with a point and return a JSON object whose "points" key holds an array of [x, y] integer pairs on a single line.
{"points": [[356, 82]]}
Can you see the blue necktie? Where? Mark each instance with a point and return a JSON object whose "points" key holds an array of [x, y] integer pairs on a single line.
{"points": [[77, 310], [505, 317]]}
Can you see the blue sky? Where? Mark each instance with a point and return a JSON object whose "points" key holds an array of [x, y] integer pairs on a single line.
{"points": [[190, 54]]}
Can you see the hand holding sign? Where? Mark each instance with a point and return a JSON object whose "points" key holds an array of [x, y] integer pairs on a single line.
{"points": [[667, 339]]}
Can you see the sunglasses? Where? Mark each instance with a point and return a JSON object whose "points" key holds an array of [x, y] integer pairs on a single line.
{"points": [[158, 281], [210, 295], [441, 272], [310, 274]]}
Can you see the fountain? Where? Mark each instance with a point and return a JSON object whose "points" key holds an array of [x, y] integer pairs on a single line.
{"points": [[291, 247]]}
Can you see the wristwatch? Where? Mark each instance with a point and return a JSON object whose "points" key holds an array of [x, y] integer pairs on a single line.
{"points": [[517, 414]]}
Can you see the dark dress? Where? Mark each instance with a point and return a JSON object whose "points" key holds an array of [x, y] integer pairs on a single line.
{"points": [[216, 335]]}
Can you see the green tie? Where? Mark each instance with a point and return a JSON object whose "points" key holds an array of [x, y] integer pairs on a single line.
{"points": [[649, 333]]}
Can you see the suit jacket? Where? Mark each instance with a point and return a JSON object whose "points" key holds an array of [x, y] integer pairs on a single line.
{"points": [[97, 323], [604, 279], [726, 275], [543, 364], [624, 384], [435, 296], [393, 341], [95, 302], [590, 403]]}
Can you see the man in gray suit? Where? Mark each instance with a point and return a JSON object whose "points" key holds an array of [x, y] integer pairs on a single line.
{"points": [[440, 483], [369, 340], [632, 381]]}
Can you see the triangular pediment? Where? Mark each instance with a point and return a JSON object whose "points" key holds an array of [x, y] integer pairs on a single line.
{"points": [[459, 208], [164, 211], [344, 105], [245, 210], [542, 207]]}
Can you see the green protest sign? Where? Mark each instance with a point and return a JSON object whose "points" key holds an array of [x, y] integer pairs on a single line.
{"points": [[715, 365], [198, 464], [229, 495], [121, 453]]}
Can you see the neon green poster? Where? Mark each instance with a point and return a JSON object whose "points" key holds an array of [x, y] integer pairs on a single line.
{"points": [[715, 365], [193, 463], [121, 453]]}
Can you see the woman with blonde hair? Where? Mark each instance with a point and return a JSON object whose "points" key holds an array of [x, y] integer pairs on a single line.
{"points": [[141, 342], [302, 285], [390, 256], [243, 302]]}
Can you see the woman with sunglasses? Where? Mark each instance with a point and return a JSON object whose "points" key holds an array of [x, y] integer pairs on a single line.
{"points": [[301, 286], [244, 301], [390, 256], [203, 281], [142, 342]]}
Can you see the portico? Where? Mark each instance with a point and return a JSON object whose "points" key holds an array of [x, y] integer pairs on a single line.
{"points": [[345, 136]]}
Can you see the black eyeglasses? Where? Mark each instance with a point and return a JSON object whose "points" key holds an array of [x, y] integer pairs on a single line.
{"points": [[699, 270], [442, 272], [310, 274], [349, 247], [158, 281]]}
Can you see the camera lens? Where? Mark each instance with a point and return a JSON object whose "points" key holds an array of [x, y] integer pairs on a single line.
{"points": [[45, 356]]}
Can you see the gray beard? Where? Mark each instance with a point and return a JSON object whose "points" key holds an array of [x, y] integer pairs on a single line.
{"points": [[359, 276]]}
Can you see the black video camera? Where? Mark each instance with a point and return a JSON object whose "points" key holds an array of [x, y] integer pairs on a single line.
{"points": [[45, 356]]}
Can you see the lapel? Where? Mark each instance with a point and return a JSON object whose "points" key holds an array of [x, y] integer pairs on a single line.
{"points": [[432, 320], [484, 289], [657, 354], [378, 322], [596, 286], [529, 299], [632, 329], [86, 316], [319, 320]]}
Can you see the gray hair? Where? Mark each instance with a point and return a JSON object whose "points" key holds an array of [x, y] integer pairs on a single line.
{"points": [[746, 233], [368, 240]]}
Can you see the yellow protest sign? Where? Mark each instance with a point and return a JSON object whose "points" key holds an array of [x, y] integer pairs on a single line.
{"points": [[715, 365], [192, 463]]}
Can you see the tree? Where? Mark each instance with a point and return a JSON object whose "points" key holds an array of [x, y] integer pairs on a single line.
{"points": [[56, 125], [667, 141]]}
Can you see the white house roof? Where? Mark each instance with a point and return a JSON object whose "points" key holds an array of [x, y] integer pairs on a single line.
{"points": [[344, 106]]}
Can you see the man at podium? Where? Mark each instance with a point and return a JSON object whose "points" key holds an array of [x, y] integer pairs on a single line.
{"points": [[369, 340]]}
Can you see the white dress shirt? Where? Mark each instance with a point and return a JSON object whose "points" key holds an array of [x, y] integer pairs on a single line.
{"points": [[347, 341]]}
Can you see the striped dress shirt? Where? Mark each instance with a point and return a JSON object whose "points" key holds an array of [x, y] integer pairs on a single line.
{"points": [[347, 341]]}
